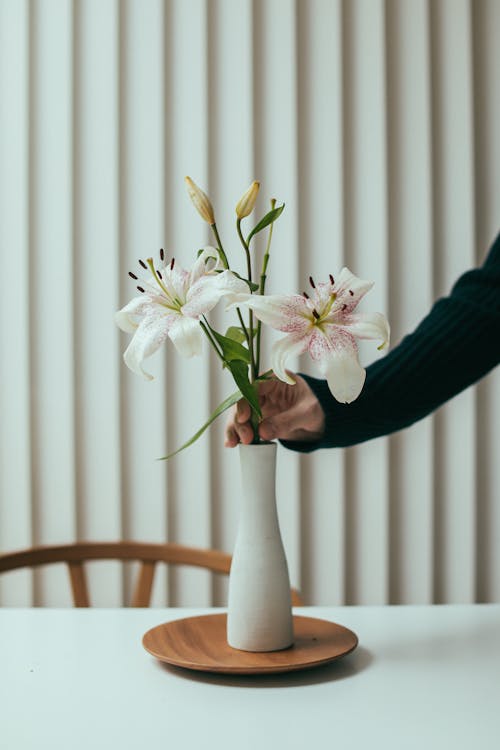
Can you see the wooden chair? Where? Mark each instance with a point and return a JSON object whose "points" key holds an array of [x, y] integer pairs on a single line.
{"points": [[74, 555]]}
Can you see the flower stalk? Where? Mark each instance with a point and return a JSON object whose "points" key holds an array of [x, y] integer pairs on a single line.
{"points": [[263, 278], [224, 259], [246, 248], [206, 328]]}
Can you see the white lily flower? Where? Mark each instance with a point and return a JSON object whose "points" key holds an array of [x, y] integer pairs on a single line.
{"points": [[324, 324], [171, 304]]}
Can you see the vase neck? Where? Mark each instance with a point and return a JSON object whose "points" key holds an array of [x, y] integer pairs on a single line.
{"points": [[258, 468], [258, 474]]}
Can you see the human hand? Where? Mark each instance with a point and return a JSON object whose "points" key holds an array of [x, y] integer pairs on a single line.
{"points": [[290, 412]]}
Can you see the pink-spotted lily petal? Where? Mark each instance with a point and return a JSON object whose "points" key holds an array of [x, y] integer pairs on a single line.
{"points": [[289, 346], [128, 318], [207, 262], [351, 288], [290, 314], [149, 335], [368, 326], [208, 290], [337, 359], [323, 322], [185, 333]]}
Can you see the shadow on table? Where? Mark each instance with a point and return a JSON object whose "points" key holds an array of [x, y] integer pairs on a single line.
{"points": [[348, 666]]}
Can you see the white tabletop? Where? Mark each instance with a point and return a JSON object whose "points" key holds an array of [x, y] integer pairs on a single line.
{"points": [[422, 677]]}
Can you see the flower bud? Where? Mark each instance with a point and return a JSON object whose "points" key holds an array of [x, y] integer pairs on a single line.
{"points": [[246, 203], [201, 201]]}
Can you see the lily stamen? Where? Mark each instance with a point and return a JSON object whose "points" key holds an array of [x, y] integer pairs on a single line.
{"points": [[162, 254], [154, 273], [132, 275], [141, 262], [325, 327], [305, 295], [332, 280], [330, 304], [172, 264], [174, 306]]}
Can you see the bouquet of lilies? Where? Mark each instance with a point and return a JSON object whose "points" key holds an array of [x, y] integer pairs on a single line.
{"points": [[174, 303]]}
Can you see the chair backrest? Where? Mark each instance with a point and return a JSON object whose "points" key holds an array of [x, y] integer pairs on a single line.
{"points": [[74, 555]]}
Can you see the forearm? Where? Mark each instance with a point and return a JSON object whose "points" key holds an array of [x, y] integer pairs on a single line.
{"points": [[454, 346]]}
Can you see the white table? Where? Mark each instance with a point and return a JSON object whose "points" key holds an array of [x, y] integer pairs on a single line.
{"points": [[422, 677]]}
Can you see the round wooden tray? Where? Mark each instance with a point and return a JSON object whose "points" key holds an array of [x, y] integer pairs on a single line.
{"points": [[200, 643]]}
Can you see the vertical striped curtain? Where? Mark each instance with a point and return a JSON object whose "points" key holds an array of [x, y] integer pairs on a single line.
{"points": [[378, 124]]}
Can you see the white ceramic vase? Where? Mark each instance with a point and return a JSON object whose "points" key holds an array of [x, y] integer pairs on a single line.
{"points": [[259, 605]]}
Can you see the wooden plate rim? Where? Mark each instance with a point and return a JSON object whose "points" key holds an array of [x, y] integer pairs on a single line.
{"points": [[248, 669]]}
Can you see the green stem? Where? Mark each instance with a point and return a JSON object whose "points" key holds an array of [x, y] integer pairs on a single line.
{"points": [[255, 370], [219, 245], [257, 336], [254, 421], [211, 339], [265, 260], [226, 263], [246, 248], [262, 285], [243, 327]]}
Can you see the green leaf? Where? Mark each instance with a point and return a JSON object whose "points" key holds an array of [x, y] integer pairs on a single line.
{"points": [[269, 218], [239, 371], [230, 400], [231, 349], [236, 334]]}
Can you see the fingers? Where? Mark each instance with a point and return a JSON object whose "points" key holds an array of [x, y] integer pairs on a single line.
{"points": [[289, 413], [243, 411], [242, 425], [238, 426], [274, 396], [234, 436], [231, 439], [281, 425], [245, 433], [302, 421]]}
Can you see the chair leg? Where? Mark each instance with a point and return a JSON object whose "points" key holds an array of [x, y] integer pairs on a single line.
{"points": [[78, 584], [142, 593]]}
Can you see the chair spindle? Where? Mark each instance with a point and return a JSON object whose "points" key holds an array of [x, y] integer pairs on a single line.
{"points": [[78, 584], [142, 593]]}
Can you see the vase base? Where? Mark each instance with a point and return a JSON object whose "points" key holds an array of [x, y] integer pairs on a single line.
{"points": [[250, 649], [256, 635]]}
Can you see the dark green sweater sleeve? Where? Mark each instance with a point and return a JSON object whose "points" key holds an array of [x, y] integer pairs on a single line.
{"points": [[455, 345]]}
